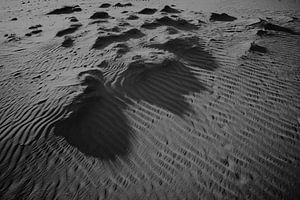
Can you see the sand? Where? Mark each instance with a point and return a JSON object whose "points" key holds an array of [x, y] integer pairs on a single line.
{"points": [[149, 99]]}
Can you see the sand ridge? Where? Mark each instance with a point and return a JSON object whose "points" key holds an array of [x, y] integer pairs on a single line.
{"points": [[149, 102]]}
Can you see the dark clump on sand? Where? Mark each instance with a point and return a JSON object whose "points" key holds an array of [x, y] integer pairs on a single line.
{"points": [[35, 27], [262, 33], [65, 10], [100, 15], [68, 42], [37, 31], [105, 40], [73, 19], [14, 19], [269, 26], [105, 5], [256, 48], [71, 29], [167, 21], [98, 21], [168, 9], [132, 17], [148, 11], [13, 37], [273, 27], [221, 17], [123, 5], [178, 23]]}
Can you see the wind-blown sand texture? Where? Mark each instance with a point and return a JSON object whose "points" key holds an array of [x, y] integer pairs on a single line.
{"points": [[142, 100]]}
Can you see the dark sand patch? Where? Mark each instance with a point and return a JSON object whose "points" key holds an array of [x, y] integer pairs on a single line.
{"points": [[100, 15], [65, 10], [97, 125], [123, 5], [132, 17], [169, 9], [73, 19], [167, 21], [256, 48], [221, 17], [105, 5], [103, 41], [273, 27], [35, 26], [68, 41], [71, 29], [147, 11]]}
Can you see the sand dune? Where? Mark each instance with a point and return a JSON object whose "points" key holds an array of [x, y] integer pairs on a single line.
{"points": [[143, 100]]}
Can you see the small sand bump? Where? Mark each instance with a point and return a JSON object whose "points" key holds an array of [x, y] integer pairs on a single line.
{"points": [[36, 31], [73, 28], [269, 26], [123, 5], [100, 15], [105, 40], [132, 17], [256, 48], [35, 26], [148, 11], [167, 21], [169, 9], [68, 41], [65, 10], [105, 5], [73, 19], [221, 17]]}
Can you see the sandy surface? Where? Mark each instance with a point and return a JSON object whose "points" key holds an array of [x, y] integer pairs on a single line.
{"points": [[195, 100]]}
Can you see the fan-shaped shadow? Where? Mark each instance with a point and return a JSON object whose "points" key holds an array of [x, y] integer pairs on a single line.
{"points": [[97, 125], [164, 85]]}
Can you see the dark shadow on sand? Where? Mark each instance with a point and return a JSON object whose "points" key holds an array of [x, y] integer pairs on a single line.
{"points": [[164, 86], [97, 125]]}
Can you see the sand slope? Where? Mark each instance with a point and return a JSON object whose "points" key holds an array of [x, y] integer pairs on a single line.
{"points": [[148, 102]]}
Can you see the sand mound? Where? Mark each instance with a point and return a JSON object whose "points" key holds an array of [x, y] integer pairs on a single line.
{"points": [[68, 41], [96, 124], [262, 33], [189, 49], [35, 26], [105, 40], [73, 19], [105, 5], [33, 32], [148, 11], [65, 10], [169, 9], [221, 17], [132, 17], [123, 5], [73, 28], [269, 26], [167, 21], [256, 48], [100, 15]]}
